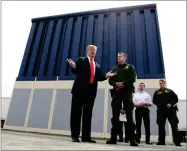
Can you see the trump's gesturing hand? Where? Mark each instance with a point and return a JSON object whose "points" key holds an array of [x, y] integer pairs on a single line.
{"points": [[110, 74], [71, 62]]}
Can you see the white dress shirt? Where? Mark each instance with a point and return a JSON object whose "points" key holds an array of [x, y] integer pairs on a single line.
{"points": [[142, 97], [93, 62]]}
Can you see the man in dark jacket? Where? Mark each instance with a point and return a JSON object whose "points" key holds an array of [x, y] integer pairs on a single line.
{"points": [[88, 73], [165, 99], [122, 91]]}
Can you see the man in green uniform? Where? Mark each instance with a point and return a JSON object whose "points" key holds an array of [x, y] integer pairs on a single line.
{"points": [[122, 91], [165, 99]]}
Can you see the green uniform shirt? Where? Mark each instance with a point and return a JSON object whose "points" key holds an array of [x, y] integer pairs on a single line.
{"points": [[126, 73], [163, 97]]}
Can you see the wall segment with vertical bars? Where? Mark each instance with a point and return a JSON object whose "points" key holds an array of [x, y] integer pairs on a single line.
{"points": [[133, 30]]}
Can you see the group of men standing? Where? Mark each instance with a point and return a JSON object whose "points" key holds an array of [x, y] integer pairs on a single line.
{"points": [[122, 77]]}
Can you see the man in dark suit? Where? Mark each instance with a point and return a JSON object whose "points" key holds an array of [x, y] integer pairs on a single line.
{"points": [[88, 73]]}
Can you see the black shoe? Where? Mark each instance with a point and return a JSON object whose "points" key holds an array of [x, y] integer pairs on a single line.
{"points": [[160, 143], [148, 143], [138, 141], [110, 141], [178, 145], [120, 140], [126, 141], [75, 140], [133, 143], [89, 141]]}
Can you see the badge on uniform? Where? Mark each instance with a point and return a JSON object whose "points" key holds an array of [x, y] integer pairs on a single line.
{"points": [[159, 92], [166, 91], [126, 67]]}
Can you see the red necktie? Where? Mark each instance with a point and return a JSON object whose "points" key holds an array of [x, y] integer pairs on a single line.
{"points": [[91, 70]]}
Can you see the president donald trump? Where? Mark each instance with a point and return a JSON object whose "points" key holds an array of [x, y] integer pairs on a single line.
{"points": [[84, 90]]}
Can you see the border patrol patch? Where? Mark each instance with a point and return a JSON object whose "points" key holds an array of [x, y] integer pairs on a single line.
{"points": [[126, 67]]}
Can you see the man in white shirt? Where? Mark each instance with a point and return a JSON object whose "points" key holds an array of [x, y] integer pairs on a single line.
{"points": [[142, 101]]}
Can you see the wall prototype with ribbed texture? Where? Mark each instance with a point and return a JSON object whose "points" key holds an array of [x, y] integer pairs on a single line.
{"points": [[133, 30]]}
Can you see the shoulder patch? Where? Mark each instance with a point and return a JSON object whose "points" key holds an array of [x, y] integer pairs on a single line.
{"points": [[126, 67], [166, 91]]}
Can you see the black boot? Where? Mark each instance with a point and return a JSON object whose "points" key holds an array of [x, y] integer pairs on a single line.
{"points": [[138, 141], [133, 143], [126, 140], [148, 143], [111, 141], [120, 137], [160, 143], [120, 140], [178, 145]]}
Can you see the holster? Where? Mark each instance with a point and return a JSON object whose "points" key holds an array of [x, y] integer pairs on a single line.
{"points": [[176, 108]]}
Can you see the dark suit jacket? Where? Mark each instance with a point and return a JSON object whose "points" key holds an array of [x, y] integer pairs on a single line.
{"points": [[82, 80]]}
